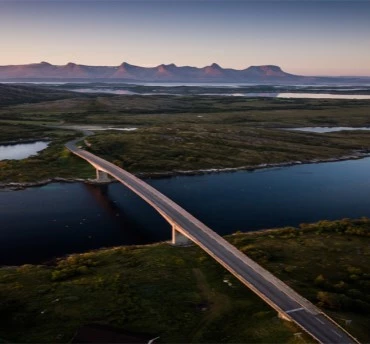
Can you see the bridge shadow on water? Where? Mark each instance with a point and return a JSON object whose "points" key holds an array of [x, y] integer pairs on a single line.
{"points": [[139, 222], [40, 224]]}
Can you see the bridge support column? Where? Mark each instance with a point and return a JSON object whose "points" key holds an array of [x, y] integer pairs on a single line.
{"points": [[102, 176], [179, 239]]}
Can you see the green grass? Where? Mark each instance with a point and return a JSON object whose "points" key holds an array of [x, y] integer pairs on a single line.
{"points": [[184, 133], [12, 132], [154, 110], [194, 147], [179, 294]]}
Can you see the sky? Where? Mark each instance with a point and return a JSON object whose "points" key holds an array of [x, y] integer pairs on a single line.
{"points": [[302, 37]]}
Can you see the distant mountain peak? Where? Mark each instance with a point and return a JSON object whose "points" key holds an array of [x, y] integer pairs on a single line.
{"points": [[125, 64], [271, 67], [39, 64], [266, 66], [163, 69], [214, 70], [171, 65], [215, 65], [267, 71]]}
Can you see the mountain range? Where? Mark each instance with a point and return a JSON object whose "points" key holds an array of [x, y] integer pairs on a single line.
{"points": [[129, 72], [126, 72]]}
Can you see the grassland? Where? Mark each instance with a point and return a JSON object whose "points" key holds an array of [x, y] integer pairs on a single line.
{"points": [[184, 132], [182, 295], [15, 94]]}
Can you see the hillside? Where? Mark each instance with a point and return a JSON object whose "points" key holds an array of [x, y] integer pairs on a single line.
{"points": [[17, 94]]}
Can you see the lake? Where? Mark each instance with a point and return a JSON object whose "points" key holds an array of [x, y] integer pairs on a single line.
{"points": [[297, 95], [41, 223], [251, 90], [20, 151], [322, 130], [322, 96]]}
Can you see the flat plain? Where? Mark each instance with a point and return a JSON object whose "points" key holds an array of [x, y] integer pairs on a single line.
{"points": [[181, 133]]}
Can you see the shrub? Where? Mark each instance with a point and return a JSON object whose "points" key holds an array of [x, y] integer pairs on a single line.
{"points": [[320, 280], [329, 300], [354, 271]]}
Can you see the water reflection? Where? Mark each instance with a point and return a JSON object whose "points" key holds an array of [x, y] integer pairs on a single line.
{"points": [[117, 214], [42, 223]]}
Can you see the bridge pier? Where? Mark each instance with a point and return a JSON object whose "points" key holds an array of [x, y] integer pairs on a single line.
{"points": [[102, 177], [179, 239]]}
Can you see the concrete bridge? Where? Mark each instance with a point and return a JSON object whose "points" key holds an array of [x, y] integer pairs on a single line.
{"points": [[289, 304]]}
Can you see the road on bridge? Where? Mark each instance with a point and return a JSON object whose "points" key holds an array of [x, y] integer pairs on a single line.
{"points": [[289, 304]]}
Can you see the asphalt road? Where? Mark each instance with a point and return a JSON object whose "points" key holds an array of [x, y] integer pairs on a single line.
{"points": [[272, 290]]}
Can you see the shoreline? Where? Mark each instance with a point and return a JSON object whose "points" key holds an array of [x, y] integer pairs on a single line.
{"points": [[20, 141], [15, 186], [251, 168]]}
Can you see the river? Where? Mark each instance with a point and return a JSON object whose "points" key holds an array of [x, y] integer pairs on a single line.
{"points": [[41, 223]]}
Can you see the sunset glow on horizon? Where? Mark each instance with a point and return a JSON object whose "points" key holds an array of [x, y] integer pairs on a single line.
{"points": [[302, 37]]}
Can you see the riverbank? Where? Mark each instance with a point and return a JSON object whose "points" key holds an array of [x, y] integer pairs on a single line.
{"points": [[15, 142], [135, 288], [20, 186], [251, 168]]}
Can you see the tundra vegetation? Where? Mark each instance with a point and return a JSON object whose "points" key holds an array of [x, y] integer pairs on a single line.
{"points": [[177, 133], [183, 295]]}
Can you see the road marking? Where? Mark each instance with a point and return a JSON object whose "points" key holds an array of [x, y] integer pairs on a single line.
{"points": [[336, 333], [320, 321], [294, 310]]}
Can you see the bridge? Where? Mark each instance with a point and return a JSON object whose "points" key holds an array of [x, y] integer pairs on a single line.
{"points": [[289, 304]]}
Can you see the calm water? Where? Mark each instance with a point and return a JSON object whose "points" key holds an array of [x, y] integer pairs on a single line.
{"points": [[232, 94], [334, 91], [322, 96], [321, 130], [21, 150], [292, 95], [38, 224]]}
